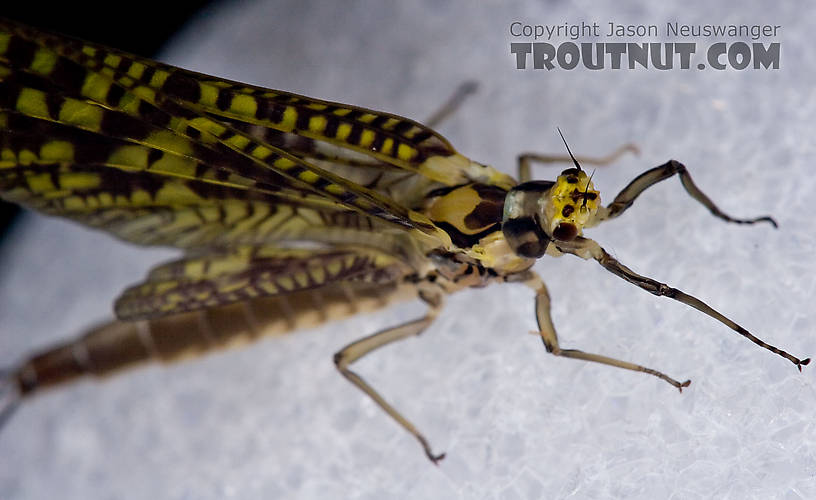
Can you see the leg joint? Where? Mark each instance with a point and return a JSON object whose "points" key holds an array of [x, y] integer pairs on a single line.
{"points": [[677, 167], [551, 347], [339, 360]]}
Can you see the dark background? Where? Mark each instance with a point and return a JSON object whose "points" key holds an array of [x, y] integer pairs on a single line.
{"points": [[141, 28]]}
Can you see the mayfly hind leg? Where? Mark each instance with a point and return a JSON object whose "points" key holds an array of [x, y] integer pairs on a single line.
{"points": [[589, 249], [526, 160], [356, 350], [453, 103], [649, 178], [550, 338]]}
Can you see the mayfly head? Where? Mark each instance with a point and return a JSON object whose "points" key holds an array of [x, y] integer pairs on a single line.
{"points": [[538, 212], [570, 205]]}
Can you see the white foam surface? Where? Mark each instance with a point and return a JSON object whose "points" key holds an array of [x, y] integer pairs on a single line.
{"points": [[277, 421]]}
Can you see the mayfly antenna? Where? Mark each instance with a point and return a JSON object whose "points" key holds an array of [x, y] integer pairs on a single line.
{"points": [[568, 150], [586, 190]]}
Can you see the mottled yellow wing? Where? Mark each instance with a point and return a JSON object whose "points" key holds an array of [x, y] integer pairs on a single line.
{"points": [[245, 273], [100, 136]]}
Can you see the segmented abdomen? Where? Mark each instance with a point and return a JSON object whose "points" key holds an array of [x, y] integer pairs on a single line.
{"points": [[118, 344]]}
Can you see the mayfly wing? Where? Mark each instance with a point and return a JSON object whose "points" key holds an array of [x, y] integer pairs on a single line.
{"points": [[142, 194], [55, 82], [246, 273], [389, 138]]}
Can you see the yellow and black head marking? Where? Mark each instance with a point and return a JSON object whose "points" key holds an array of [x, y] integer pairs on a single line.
{"points": [[537, 212], [570, 205]]}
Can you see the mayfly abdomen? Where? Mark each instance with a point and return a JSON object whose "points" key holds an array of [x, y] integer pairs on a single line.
{"points": [[116, 345]]}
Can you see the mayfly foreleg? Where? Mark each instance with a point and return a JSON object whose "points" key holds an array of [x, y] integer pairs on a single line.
{"points": [[651, 177], [587, 248], [526, 160], [550, 338], [359, 348]]}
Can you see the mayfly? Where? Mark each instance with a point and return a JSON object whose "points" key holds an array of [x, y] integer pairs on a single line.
{"points": [[290, 210]]}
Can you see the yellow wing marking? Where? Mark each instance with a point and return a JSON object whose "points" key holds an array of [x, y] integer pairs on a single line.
{"points": [[184, 123], [247, 272]]}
